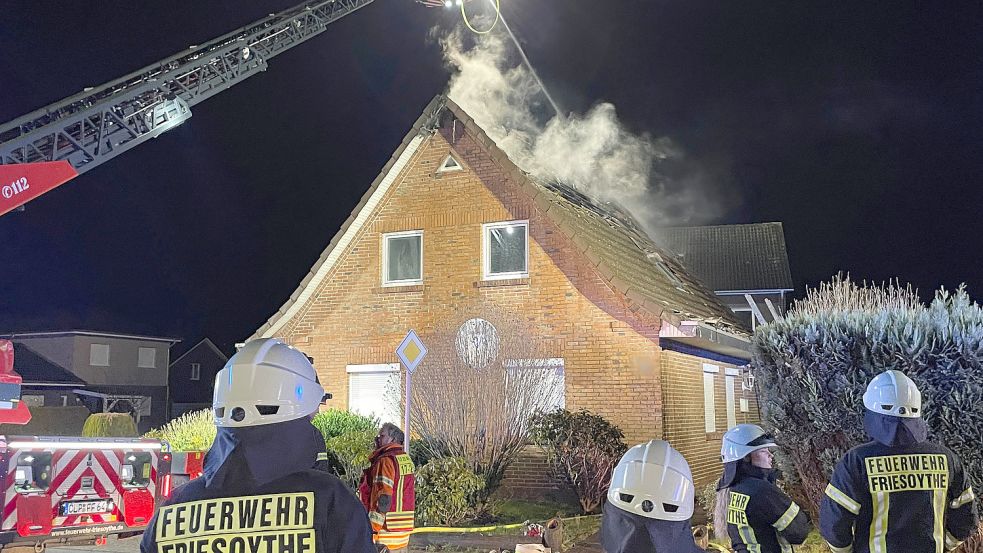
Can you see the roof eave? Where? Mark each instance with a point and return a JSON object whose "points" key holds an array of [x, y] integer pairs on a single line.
{"points": [[704, 336], [752, 291], [57, 333]]}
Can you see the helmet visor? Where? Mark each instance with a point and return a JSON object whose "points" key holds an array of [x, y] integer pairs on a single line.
{"points": [[763, 440]]}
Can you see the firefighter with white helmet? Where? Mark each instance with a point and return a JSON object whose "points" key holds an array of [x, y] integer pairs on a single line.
{"points": [[259, 491], [650, 502], [751, 510], [899, 492]]}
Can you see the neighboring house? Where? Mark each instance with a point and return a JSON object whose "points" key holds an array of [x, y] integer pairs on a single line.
{"points": [[745, 265], [192, 377], [48, 390], [452, 224], [120, 372], [45, 383]]}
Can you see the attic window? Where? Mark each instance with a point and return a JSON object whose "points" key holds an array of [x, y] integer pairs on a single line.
{"points": [[449, 164]]}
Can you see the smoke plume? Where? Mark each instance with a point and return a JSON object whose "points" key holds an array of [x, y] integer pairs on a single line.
{"points": [[592, 152]]}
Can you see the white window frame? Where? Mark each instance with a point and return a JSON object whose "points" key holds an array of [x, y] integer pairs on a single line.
{"points": [[373, 368], [445, 169], [709, 401], [486, 229], [730, 379], [92, 355], [153, 358], [385, 258], [196, 371], [555, 363]]}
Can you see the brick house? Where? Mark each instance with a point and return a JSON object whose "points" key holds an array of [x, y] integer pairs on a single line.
{"points": [[451, 223]]}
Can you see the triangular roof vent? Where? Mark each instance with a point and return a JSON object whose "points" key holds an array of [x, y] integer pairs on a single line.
{"points": [[450, 164]]}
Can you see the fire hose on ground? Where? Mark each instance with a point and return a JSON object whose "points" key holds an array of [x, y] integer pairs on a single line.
{"points": [[699, 532]]}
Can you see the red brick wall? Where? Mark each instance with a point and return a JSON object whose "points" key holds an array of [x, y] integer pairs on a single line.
{"points": [[529, 478], [683, 415], [611, 361]]}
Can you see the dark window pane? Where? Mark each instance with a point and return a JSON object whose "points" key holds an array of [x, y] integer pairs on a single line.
{"points": [[507, 249]]}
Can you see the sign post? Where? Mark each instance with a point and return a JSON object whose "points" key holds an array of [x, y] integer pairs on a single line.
{"points": [[410, 352]]}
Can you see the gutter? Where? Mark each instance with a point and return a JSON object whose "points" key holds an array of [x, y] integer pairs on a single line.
{"points": [[753, 292], [707, 337]]}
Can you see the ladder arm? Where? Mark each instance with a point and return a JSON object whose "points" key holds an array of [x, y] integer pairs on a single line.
{"points": [[100, 123]]}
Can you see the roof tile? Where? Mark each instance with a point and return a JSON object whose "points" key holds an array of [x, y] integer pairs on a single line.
{"points": [[733, 257]]}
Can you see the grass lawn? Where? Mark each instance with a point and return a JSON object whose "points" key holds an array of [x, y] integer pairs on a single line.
{"points": [[813, 544], [575, 530], [518, 510]]}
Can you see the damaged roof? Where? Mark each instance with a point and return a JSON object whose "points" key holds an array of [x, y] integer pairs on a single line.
{"points": [[650, 277], [733, 257]]}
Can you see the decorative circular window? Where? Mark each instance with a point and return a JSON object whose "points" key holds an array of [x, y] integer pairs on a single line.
{"points": [[477, 343]]}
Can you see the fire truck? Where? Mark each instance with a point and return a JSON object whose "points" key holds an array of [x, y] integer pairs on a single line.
{"points": [[72, 490]]}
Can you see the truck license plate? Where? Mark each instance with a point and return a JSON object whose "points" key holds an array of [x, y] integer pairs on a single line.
{"points": [[69, 508]]}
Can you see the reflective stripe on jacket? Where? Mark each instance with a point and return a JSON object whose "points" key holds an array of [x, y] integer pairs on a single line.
{"points": [[914, 498], [391, 473], [760, 517]]}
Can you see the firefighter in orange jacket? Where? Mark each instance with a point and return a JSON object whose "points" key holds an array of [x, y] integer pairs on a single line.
{"points": [[387, 490]]}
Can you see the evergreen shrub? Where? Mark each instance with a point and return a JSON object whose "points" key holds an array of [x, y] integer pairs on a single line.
{"points": [[446, 492], [109, 425], [813, 366], [336, 422], [352, 450]]}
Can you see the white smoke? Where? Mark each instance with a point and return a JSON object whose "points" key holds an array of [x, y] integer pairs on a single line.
{"points": [[593, 152]]}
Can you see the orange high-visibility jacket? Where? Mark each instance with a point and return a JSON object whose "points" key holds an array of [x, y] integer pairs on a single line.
{"points": [[391, 473]]}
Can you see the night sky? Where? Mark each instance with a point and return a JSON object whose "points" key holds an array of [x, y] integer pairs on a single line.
{"points": [[860, 127]]}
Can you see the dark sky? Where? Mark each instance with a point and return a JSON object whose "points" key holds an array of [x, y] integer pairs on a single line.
{"points": [[857, 124]]}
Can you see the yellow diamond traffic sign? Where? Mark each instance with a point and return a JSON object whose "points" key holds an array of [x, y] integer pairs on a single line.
{"points": [[411, 351]]}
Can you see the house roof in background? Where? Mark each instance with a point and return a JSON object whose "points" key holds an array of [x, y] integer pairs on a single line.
{"points": [[205, 342], [95, 333], [34, 368], [733, 257]]}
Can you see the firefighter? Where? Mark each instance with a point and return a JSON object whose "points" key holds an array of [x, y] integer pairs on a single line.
{"points": [[757, 515], [259, 491], [387, 490], [899, 492], [650, 503]]}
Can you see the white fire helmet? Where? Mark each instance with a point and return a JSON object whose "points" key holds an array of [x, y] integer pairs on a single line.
{"points": [[893, 393], [265, 382], [743, 439], [653, 480]]}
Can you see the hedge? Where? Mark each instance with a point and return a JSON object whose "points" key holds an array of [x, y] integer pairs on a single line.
{"points": [[813, 366]]}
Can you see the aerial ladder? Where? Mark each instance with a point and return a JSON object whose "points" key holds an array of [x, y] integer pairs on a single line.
{"points": [[58, 142]]}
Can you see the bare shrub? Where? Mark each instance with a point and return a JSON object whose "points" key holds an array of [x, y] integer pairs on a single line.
{"points": [[474, 393]]}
